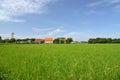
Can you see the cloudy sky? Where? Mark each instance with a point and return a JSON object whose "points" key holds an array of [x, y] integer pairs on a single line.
{"points": [[79, 19]]}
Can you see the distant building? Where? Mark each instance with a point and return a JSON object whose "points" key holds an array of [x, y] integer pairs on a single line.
{"points": [[29, 41], [48, 40], [38, 41], [74, 42], [62, 39], [12, 35]]}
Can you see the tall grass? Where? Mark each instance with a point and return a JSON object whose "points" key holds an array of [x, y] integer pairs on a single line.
{"points": [[60, 62]]}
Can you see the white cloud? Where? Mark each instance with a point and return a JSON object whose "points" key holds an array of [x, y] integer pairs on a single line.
{"points": [[95, 12], [54, 32], [104, 3], [5, 35], [93, 4], [51, 32], [116, 8], [60, 32], [78, 36], [74, 35], [112, 1], [41, 29], [47, 32], [113, 5], [11, 9], [8, 36]]}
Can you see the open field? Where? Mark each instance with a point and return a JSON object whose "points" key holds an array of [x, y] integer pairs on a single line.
{"points": [[60, 62]]}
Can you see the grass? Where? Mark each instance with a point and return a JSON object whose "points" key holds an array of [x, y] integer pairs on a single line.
{"points": [[60, 62]]}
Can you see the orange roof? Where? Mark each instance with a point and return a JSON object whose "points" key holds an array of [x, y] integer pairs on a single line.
{"points": [[48, 39]]}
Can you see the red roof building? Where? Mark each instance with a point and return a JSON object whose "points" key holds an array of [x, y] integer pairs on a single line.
{"points": [[38, 40]]}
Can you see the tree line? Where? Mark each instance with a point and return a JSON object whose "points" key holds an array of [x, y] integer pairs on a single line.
{"points": [[62, 40], [31, 40], [13, 40], [104, 40]]}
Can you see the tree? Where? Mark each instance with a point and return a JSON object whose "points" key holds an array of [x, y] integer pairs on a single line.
{"points": [[104, 40], [3, 41], [69, 40], [12, 40], [97, 40], [61, 41], [42, 41], [90, 40], [7, 40], [18, 40], [25, 40], [0, 39], [32, 40], [114, 40], [109, 40], [56, 41]]}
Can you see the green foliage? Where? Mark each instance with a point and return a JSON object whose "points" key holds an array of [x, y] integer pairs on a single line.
{"points": [[25, 41], [13, 40], [0, 39], [56, 41], [7, 41], [42, 41], [103, 40], [59, 41], [69, 40], [32, 39], [60, 62], [18, 40]]}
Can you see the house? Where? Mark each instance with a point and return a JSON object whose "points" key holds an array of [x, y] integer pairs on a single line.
{"points": [[62, 39], [74, 42], [48, 40], [37, 41], [29, 41]]}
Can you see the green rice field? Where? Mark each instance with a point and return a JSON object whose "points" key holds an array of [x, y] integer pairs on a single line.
{"points": [[60, 62]]}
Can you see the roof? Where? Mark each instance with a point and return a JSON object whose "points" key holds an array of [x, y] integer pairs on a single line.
{"points": [[48, 39], [38, 40]]}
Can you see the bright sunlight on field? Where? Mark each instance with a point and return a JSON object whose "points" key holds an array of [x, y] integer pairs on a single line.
{"points": [[60, 62]]}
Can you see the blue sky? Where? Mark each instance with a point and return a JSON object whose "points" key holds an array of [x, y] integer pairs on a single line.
{"points": [[79, 19]]}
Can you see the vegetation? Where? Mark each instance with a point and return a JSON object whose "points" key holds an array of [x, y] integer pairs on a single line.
{"points": [[60, 62], [13, 40], [0, 39], [42, 41], [69, 40], [59, 40], [56, 41], [7, 41], [104, 40]]}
